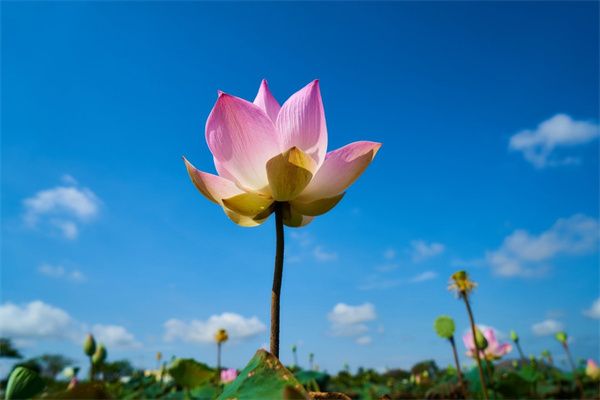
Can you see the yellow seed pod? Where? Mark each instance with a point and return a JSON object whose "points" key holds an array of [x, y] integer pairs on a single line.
{"points": [[221, 336]]}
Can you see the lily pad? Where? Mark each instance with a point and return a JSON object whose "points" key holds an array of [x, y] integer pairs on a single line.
{"points": [[189, 373], [263, 378]]}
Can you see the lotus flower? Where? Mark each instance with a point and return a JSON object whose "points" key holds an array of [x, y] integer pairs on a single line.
{"points": [[228, 375], [266, 154], [592, 370], [494, 349]]}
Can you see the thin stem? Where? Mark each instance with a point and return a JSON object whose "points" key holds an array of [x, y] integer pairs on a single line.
{"points": [[219, 356], [575, 376], [520, 351], [91, 369], [277, 275], [474, 333], [458, 370]]}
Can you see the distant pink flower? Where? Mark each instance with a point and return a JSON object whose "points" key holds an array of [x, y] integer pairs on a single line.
{"points": [[494, 349], [592, 370], [266, 153], [228, 375]]}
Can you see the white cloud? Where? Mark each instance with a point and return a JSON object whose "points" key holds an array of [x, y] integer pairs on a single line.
{"points": [[323, 256], [547, 327], [349, 320], [35, 320], [594, 310], [364, 340], [425, 276], [197, 331], [115, 336], [421, 250], [524, 254], [63, 206], [60, 272], [40, 321], [559, 131]]}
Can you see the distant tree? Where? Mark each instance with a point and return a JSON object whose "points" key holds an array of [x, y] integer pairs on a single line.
{"points": [[428, 365], [7, 350], [52, 364], [113, 371]]}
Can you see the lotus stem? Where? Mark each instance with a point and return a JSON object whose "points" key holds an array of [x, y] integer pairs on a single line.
{"points": [[458, 370], [219, 356], [277, 276], [91, 369], [523, 359], [574, 368], [473, 331]]}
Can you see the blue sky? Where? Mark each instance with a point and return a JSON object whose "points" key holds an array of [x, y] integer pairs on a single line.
{"points": [[488, 115]]}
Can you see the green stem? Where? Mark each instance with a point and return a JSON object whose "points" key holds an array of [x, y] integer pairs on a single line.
{"points": [[458, 370], [91, 369], [523, 359], [277, 276], [474, 333], [575, 376], [219, 356]]}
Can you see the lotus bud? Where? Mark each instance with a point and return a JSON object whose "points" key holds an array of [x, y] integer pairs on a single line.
{"points": [[158, 356], [561, 337], [89, 345], [221, 336], [100, 355], [294, 348], [514, 337], [480, 340]]}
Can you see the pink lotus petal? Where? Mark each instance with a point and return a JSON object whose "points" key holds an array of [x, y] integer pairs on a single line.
{"points": [[242, 138], [490, 336], [213, 187], [340, 169], [503, 349], [468, 341], [266, 101], [301, 123]]}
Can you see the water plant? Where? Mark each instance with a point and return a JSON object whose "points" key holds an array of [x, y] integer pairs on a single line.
{"points": [[444, 327], [274, 159], [220, 337]]}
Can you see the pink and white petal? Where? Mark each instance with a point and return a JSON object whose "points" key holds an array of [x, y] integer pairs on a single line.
{"points": [[266, 101], [490, 336], [468, 341], [341, 168], [504, 349], [213, 187], [242, 138], [301, 122]]}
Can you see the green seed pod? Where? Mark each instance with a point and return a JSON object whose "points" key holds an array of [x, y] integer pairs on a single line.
{"points": [[89, 345], [480, 340], [100, 355], [561, 337], [513, 336], [444, 326]]}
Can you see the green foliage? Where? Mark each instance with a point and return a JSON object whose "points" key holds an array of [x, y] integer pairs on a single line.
{"points": [[189, 373], [444, 327], [263, 378], [7, 350], [23, 383], [113, 371], [52, 364]]}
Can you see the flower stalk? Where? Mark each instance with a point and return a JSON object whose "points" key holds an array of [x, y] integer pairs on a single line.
{"points": [[477, 355], [458, 370], [277, 277]]}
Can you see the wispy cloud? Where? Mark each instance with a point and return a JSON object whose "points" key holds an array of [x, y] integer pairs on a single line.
{"points": [[202, 331], [561, 131], [60, 272], [62, 207], [115, 337], [594, 310], [524, 254], [424, 276], [364, 340], [547, 327], [389, 254], [422, 250], [322, 255], [348, 320]]}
